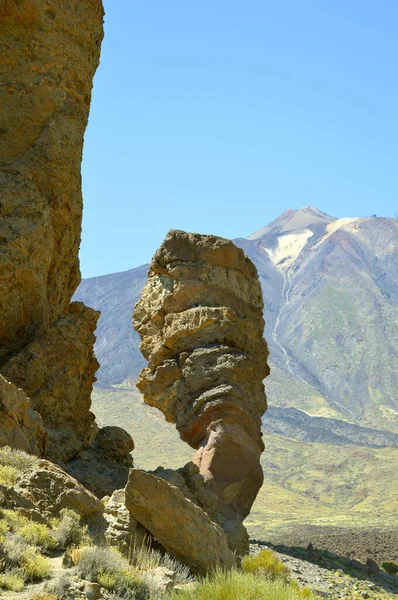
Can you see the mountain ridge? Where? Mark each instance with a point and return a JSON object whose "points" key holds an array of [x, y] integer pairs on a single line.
{"points": [[330, 291]]}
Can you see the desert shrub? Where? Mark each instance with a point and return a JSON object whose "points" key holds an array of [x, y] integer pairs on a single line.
{"points": [[58, 586], [18, 553], [109, 568], [11, 581], [14, 548], [390, 567], [182, 573], [239, 585], [125, 584], [93, 560], [34, 565], [12, 519], [8, 474], [18, 459], [68, 531], [266, 563], [144, 558], [37, 534]]}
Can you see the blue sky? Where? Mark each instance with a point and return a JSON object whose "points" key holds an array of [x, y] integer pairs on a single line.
{"points": [[216, 116]]}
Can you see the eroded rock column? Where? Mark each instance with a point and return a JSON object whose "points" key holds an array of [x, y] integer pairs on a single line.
{"points": [[49, 53], [201, 325]]}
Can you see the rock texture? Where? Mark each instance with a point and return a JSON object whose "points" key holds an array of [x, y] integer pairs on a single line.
{"points": [[50, 54], [103, 467], [56, 370], [20, 426], [201, 326], [51, 489], [182, 528]]}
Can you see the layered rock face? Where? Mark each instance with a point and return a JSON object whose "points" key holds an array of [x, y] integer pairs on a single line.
{"points": [[50, 54], [20, 426], [201, 326]]}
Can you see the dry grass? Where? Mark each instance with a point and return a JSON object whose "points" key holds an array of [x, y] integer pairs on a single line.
{"points": [[242, 586]]}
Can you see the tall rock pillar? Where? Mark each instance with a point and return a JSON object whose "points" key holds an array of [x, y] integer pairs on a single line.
{"points": [[201, 325], [49, 53]]}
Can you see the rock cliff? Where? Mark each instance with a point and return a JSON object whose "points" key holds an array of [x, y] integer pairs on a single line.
{"points": [[201, 326], [50, 54]]}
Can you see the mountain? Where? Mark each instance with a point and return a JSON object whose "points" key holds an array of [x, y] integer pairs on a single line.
{"points": [[331, 309]]}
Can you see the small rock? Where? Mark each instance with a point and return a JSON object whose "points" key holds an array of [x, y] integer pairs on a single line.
{"points": [[93, 591], [373, 567]]}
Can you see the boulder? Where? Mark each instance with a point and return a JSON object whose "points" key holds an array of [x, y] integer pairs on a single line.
{"points": [[201, 327], [103, 467], [181, 527], [50, 489]]}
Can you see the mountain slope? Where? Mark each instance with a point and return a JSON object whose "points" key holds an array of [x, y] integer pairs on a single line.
{"points": [[331, 309]]}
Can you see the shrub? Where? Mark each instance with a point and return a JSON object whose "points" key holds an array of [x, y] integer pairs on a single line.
{"points": [[57, 587], [14, 548], [68, 531], [109, 568], [11, 581], [93, 560], [8, 474], [182, 573], [242, 586], [34, 565], [12, 519], [38, 534], [266, 563], [18, 459], [390, 567]]}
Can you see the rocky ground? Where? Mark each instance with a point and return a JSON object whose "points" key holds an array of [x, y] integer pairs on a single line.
{"points": [[332, 575]]}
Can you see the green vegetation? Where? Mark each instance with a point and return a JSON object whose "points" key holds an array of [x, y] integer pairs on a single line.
{"points": [[18, 459], [11, 581], [68, 530], [242, 586], [267, 564], [109, 568], [390, 567], [8, 475], [37, 534]]}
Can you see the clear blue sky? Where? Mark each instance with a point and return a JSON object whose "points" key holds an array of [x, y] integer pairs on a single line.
{"points": [[216, 116]]}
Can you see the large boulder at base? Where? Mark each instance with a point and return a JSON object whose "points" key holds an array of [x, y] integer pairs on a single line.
{"points": [[104, 466], [201, 325], [50, 52], [181, 527], [20, 426], [51, 490]]}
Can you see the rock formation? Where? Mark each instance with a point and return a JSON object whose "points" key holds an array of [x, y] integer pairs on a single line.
{"points": [[20, 426], [50, 54], [201, 326], [182, 528], [103, 467]]}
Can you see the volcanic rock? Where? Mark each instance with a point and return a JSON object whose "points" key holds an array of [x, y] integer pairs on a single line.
{"points": [[50, 54], [20, 426], [56, 371], [182, 528], [200, 321], [104, 466], [51, 490]]}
